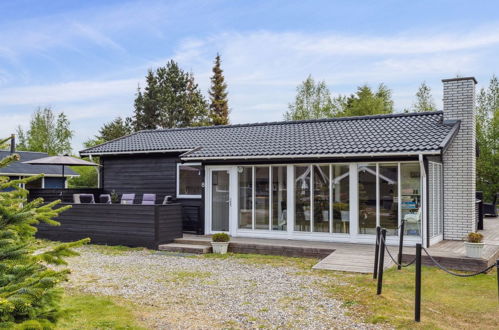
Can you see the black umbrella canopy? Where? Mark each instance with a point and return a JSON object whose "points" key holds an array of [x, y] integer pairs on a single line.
{"points": [[60, 160]]}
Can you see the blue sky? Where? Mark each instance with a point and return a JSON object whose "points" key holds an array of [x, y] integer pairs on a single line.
{"points": [[87, 58]]}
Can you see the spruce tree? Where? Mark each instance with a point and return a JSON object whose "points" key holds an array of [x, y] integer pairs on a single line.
{"points": [[147, 113], [219, 105], [29, 297]]}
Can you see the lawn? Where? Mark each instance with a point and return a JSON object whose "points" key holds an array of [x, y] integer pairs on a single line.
{"points": [[86, 311]]}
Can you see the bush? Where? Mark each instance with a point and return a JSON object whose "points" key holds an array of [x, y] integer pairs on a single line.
{"points": [[475, 238], [220, 237]]}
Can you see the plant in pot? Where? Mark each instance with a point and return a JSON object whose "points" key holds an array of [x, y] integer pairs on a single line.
{"points": [[220, 243], [474, 245]]}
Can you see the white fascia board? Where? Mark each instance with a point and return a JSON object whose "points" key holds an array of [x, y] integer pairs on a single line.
{"points": [[133, 152], [349, 155]]}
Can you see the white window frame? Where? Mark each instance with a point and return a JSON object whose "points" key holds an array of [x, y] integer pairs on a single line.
{"points": [[178, 182]]}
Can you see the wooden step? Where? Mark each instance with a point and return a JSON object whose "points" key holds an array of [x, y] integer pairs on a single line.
{"points": [[185, 248], [192, 241]]}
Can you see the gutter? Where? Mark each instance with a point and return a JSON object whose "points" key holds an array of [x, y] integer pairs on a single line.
{"points": [[347, 155], [132, 152]]}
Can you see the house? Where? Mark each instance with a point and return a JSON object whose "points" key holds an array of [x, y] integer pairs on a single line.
{"points": [[325, 180], [18, 170]]}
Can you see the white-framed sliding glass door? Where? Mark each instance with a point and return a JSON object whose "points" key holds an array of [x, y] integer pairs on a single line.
{"points": [[220, 199]]}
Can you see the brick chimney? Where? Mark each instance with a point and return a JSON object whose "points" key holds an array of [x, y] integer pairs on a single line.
{"points": [[459, 161]]}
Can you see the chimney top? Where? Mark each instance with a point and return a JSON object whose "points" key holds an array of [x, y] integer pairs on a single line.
{"points": [[460, 78]]}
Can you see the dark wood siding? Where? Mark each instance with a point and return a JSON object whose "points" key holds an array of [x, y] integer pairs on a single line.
{"points": [[130, 225], [150, 173]]}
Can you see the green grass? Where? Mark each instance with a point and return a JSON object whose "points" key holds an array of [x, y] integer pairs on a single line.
{"points": [[86, 311], [448, 302]]}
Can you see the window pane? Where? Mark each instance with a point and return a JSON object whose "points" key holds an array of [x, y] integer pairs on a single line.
{"points": [[262, 201], [411, 197], [190, 179], [302, 198], [367, 198], [245, 178], [341, 199], [321, 198], [279, 198], [388, 195]]}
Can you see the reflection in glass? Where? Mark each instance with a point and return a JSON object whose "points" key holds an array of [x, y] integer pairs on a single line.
{"points": [[341, 199], [262, 198], [388, 198], [321, 198], [279, 198], [245, 184], [367, 198], [302, 198], [410, 182]]}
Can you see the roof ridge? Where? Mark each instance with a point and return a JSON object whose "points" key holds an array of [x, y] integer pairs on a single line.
{"points": [[294, 122]]}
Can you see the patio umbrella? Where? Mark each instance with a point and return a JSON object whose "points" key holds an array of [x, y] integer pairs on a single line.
{"points": [[60, 160]]}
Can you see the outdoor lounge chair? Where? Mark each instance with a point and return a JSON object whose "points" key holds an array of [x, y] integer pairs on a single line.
{"points": [[168, 199], [105, 199], [149, 199], [87, 199], [490, 209], [76, 199], [127, 198]]}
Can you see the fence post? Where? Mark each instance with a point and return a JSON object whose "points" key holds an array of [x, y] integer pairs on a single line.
{"points": [[401, 244], [381, 264], [376, 252], [497, 273], [417, 305]]}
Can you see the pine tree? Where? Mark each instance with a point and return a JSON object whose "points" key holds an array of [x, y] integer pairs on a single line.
{"points": [[367, 102], [424, 99], [219, 105], [29, 297]]}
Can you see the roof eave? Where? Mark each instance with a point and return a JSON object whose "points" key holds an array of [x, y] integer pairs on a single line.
{"points": [[450, 136], [110, 153], [314, 156]]}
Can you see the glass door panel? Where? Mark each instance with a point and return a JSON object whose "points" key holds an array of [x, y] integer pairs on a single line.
{"points": [[367, 198], [321, 198], [410, 190], [245, 196], [302, 198], [220, 200], [279, 198], [341, 199], [388, 198], [262, 198]]}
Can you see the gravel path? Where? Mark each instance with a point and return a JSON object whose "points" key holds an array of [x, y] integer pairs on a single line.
{"points": [[181, 292]]}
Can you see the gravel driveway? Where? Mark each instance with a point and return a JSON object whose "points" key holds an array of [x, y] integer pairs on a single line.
{"points": [[179, 292]]}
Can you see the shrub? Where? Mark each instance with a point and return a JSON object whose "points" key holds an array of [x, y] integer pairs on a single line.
{"points": [[220, 237], [475, 238]]}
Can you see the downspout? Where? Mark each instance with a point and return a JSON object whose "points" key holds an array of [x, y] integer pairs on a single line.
{"points": [[424, 204]]}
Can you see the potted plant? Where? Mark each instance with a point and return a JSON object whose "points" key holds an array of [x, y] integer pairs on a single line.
{"points": [[220, 243], [474, 245], [114, 197]]}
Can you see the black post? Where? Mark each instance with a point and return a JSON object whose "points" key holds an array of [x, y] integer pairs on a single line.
{"points": [[401, 244], [497, 270], [376, 252], [417, 305], [381, 265]]}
